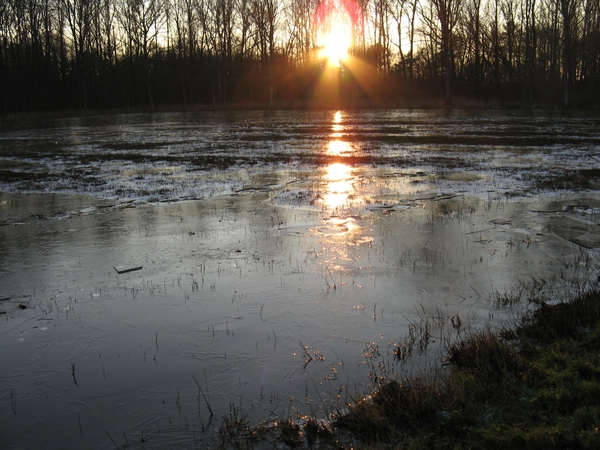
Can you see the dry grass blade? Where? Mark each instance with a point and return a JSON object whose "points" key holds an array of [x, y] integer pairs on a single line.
{"points": [[204, 396]]}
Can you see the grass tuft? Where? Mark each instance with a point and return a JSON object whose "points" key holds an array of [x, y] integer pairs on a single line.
{"points": [[236, 432], [564, 319], [317, 434], [484, 354], [290, 433]]}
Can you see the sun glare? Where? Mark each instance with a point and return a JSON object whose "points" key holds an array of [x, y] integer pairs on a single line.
{"points": [[335, 46], [337, 126], [338, 148], [339, 185], [337, 172], [335, 37], [337, 23]]}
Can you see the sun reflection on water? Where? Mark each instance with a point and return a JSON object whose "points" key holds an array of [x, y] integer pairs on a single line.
{"points": [[338, 176], [339, 185], [338, 148], [341, 232], [337, 127], [337, 171]]}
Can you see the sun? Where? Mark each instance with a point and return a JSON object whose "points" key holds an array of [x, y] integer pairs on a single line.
{"points": [[336, 23], [335, 39]]}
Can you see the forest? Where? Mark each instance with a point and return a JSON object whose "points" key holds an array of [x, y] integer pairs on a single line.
{"points": [[150, 54]]}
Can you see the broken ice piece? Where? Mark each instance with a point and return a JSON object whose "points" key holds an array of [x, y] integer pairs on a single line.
{"points": [[125, 269]]}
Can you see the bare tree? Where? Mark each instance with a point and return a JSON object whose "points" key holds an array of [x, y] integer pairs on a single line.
{"points": [[510, 54], [530, 48], [79, 15], [569, 13], [473, 36], [187, 22], [265, 14], [447, 14], [301, 39], [105, 49], [405, 12], [590, 57], [142, 21]]}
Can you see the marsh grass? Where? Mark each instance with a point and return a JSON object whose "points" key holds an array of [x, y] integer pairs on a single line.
{"points": [[236, 431], [572, 319], [534, 386], [574, 179]]}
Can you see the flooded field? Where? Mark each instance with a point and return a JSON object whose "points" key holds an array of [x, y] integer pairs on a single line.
{"points": [[160, 272]]}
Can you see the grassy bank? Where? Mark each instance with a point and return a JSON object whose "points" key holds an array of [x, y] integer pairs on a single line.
{"points": [[536, 386], [533, 386]]}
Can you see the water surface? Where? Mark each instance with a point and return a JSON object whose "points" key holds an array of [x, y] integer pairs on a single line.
{"points": [[281, 258]]}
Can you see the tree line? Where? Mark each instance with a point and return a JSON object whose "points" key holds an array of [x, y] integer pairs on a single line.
{"points": [[96, 54]]}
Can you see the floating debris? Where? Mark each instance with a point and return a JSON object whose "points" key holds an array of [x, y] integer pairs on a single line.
{"points": [[587, 210], [501, 221], [383, 207], [445, 197], [123, 269]]}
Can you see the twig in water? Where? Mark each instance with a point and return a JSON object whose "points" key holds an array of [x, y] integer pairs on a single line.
{"points": [[476, 291], [204, 396], [79, 420], [73, 374], [112, 440], [206, 383], [13, 401], [307, 358]]}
